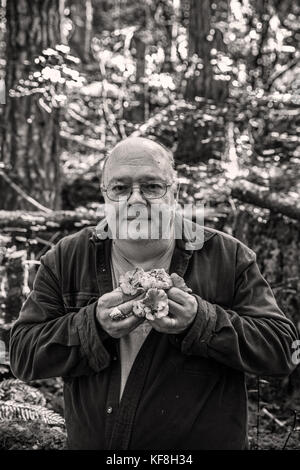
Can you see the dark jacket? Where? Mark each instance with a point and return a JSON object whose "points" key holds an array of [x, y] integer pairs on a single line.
{"points": [[184, 392]]}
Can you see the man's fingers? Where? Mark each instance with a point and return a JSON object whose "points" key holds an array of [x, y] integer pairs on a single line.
{"points": [[129, 323], [174, 307], [126, 307], [117, 297], [165, 323], [177, 295], [123, 310], [112, 299], [179, 283]]}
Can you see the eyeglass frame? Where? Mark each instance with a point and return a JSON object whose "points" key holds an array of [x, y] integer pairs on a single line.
{"points": [[104, 189]]}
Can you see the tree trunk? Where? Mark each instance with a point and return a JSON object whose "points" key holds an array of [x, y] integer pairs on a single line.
{"points": [[137, 112], [2, 66], [30, 137], [258, 73], [203, 37], [200, 83], [140, 47], [205, 42], [81, 14], [170, 30]]}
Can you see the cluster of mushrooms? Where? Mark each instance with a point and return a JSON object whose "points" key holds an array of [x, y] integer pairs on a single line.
{"points": [[153, 284]]}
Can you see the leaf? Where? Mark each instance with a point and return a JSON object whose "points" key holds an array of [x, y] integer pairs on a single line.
{"points": [[12, 410]]}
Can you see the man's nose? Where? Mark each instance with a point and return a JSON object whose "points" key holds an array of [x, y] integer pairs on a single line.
{"points": [[136, 196]]}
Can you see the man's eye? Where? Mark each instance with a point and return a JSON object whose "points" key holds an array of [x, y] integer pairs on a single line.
{"points": [[119, 187], [153, 186]]}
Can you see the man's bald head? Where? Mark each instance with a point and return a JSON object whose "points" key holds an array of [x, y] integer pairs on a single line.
{"points": [[137, 152]]}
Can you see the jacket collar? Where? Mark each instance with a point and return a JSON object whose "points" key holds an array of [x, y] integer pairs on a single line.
{"points": [[208, 234], [179, 263]]}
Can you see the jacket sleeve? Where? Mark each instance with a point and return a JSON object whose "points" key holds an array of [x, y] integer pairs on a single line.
{"points": [[46, 341], [253, 335]]}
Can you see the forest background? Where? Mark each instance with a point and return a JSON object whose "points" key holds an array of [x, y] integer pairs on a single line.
{"points": [[215, 81]]}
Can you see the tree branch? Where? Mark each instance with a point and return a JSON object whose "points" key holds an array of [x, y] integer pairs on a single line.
{"points": [[284, 69], [262, 197], [93, 144], [22, 193]]}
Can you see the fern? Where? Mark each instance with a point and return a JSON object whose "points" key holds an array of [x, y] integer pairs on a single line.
{"points": [[11, 410]]}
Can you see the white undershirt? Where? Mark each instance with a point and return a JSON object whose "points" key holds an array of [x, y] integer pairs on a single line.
{"points": [[131, 343]]}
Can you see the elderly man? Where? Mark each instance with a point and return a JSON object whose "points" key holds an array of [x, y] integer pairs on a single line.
{"points": [[171, 383]]}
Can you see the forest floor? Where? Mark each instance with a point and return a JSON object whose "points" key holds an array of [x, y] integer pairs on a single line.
{"points": [[272, 435]]}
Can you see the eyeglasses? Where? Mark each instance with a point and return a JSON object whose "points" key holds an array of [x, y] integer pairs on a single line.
{"points": [[122, 191]]}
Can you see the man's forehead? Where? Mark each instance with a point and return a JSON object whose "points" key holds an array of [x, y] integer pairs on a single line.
{"points": [[137, 147], [138, 153]]}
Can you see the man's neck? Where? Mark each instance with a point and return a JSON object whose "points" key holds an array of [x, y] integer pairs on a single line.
{"points": [[141, 252]]}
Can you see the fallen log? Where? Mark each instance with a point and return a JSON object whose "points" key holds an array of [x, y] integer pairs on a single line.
{"points": [[21, 221], [11, 221], [261, 196]]}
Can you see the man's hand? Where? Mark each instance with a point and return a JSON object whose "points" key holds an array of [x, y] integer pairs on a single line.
{"points": [[182, 311], [107, 302]]}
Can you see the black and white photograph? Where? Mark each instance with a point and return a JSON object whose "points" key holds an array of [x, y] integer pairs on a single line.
{"points": [[149, 228]]}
